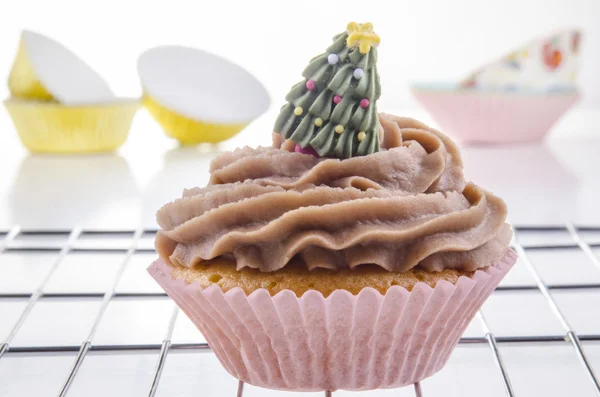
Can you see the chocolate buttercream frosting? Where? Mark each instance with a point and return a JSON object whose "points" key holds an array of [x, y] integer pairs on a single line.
{"points": [[405, 206]]}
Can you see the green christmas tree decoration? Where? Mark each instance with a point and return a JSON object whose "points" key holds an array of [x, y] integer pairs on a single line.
{"points": [[333, 110]]}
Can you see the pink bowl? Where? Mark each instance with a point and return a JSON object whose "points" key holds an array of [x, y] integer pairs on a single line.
{"points": [[476, 116]]}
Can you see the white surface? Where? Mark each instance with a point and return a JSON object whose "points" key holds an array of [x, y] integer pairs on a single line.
{"points": [[56, 241], [474, 329], [146, 241], [11, 311], [593, 351], [185, 331], [591, 236], [580, 309], [519, 275], [33, 375], [23, 273], [134, 321], [522, 313], [58, 322], [129, 374], [253, 391], [192, 371], [136, 279], [93, 241], [201, 85], [550, 237], [570, 266], [407, 391], [546, 370], [462, 378], [84, 271], [69, 79]]}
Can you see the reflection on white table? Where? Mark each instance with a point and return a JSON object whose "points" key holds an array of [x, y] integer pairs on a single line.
{"points": [[548, 183]]}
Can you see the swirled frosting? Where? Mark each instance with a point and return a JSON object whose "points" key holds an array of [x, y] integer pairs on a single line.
{"points": [[403, 207]]}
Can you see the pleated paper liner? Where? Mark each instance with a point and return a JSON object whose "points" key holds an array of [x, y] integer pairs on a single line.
{"points": [[56, 128], [479, 116], [23, 82], [44, 69], [197, 96], [189, 131], [352, 342]]}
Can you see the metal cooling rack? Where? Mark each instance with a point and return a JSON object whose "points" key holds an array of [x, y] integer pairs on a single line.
{"points": [[578, 242]]}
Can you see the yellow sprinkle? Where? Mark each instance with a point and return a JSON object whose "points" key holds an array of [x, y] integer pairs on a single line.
{"points": [[298, 111], [361, 135], [318, 121], [339, 128]]}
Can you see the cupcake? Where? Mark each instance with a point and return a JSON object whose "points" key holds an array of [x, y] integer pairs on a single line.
{"points": [[352, 254]]}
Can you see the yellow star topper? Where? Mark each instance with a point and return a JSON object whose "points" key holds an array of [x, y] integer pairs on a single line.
{"points": [[361, 36]]}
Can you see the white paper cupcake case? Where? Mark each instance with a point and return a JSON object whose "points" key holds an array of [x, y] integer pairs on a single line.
{"points": [[352, 342]]}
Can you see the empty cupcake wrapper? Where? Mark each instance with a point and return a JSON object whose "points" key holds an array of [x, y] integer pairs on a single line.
{"points": [[495, 117], [52, 127], [188, 131], [353, 342], [23, 82]]}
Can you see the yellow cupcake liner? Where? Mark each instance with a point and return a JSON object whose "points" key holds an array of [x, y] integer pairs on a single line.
{"points": [[188, 131], [22, 80], [56, 128]]}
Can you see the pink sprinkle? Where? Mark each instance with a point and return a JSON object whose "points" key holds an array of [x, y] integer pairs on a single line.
{"points": [[364, 103], [310, 84], [306, 150], [337, 99]]}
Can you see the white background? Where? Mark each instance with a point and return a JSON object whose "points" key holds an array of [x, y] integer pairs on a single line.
{"points": [[422, 40]]}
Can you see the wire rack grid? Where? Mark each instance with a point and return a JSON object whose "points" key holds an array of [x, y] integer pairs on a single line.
{"points": [[62, 245]]}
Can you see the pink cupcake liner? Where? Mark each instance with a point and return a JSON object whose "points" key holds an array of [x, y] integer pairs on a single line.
{"points": [[352, 342], [494, 117]]}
